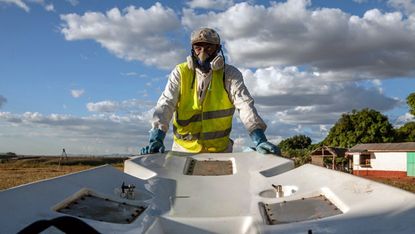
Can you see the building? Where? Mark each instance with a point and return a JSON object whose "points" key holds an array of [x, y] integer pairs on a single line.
{"points": [[325, 156], [383, 159]]}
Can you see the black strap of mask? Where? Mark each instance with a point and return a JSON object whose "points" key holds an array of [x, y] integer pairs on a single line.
{"points": [[194, 67], [223, 76]]}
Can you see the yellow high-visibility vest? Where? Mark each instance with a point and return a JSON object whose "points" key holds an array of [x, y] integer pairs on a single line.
{"points": [[202, 127]]}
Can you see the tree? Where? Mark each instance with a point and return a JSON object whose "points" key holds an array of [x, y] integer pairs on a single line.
{"points": [[295, 142], [406, 132], [296, 147], [365, 126], [410, 100]]}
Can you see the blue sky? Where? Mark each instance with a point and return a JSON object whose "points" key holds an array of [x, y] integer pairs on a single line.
{"points": [[85, 75]]}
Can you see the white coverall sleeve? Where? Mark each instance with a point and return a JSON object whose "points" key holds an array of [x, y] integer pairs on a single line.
{"points": [[166, 105], [242, 99]]}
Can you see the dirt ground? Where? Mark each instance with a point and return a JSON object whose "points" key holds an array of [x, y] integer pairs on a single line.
{"points": [[405, 183], [14, 172]]}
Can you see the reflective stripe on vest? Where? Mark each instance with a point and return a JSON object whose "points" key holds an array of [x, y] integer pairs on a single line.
{"points": [[207, 115], [202, 127], [205, 135]]}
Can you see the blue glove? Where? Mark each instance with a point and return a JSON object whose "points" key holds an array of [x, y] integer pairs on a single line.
{"points": [[261, 143], [156, 142]]}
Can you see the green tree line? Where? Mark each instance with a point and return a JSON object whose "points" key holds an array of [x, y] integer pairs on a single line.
{"points": [[363, 126]]}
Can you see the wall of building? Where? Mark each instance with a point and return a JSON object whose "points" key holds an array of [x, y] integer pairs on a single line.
{"points": [[377, 173], [317, 160], [394, 161], [356, 160], [390, 161], [391, 164]]}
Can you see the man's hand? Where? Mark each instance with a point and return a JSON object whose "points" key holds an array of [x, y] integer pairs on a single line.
{"points": [[156, 142], [262, 145], [267, 148]]}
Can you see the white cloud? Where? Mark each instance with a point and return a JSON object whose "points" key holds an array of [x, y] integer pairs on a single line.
{"points": [[301, 97], [210, 4], [49, 7], [130, 74], [103, 106], [102, 132], [134, 74], [407, 6], [9, 117], [378, 84], [18, 3], [376, 45], [46, 6], [294, 102], [130, 106], [76, 93], [133, 34], [3, 100], [360, 1], [403, 119], [73, 2], [96, 134]]}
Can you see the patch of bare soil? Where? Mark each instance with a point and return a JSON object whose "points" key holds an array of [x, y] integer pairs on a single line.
{"points": [[405, 183], [18, 171]]}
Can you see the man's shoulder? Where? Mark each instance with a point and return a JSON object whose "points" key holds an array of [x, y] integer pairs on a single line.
{"points": [[232, 72], [182, 64], [230, 67], [181, 67]]}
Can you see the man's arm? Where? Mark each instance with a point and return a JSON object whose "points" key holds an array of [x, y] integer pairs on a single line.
{"points": [[166, 105], [163, 113], [244, 103], [242, 99]]}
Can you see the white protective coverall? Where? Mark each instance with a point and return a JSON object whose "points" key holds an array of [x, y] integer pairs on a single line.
{"points": [[238, 95]]}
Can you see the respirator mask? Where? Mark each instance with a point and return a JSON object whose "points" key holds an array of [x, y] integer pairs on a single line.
{"points": [[206, 62]]}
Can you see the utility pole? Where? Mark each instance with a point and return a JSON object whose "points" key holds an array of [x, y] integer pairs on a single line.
{"points": [[64, 156]]}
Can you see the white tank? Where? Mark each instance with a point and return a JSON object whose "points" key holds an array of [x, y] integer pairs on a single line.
{"points": [[211, 193]]}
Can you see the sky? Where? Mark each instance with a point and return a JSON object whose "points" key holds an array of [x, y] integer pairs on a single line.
{"points": [[86, 75]]}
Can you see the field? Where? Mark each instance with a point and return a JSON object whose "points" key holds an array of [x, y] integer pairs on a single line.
{"points": [[407, 183], [21, 170]]}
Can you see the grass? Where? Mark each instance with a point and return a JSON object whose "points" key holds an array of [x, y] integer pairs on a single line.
{"points": [[22, 170]]}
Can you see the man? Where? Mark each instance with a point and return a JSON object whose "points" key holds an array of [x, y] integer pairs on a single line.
{"points": [[203, 93]]}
